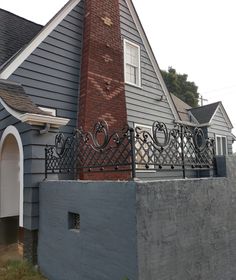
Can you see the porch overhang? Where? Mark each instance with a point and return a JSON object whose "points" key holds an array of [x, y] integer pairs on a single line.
{"points": [[17, 103]]}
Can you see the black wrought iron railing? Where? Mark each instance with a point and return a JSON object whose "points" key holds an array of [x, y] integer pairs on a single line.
{"points": [[180, 148]]}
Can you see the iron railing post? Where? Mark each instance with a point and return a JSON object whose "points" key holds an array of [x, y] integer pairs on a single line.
{"points": [[182, 151], [132, 143]]}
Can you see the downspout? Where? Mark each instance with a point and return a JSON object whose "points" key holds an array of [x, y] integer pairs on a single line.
{"points": [[45, 129]]}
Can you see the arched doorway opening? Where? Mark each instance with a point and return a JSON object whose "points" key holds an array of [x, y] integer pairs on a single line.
{"points": [[11, 188]]}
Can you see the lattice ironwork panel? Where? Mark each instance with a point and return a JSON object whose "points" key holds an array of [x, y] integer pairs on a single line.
{"points": [[90, 151], [182, 147]]}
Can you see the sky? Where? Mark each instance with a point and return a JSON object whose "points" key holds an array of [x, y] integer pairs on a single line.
{"points": [[194, 37]]}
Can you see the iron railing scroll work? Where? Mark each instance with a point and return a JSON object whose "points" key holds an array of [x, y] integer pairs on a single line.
{"points": [[158, 149], [96, 151]]}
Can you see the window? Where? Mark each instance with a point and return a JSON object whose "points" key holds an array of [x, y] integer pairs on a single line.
{"points": [[144, 151], [132, 63], [221, 145]]}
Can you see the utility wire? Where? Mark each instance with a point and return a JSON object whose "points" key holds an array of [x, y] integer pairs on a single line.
{"points": [[219, 89]]}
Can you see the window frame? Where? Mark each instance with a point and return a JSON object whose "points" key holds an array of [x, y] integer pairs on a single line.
{"points": [[138, 84], [221, 142]]}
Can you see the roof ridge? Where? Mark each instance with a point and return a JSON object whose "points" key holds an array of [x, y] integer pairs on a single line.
{"points": [[200, 107]]}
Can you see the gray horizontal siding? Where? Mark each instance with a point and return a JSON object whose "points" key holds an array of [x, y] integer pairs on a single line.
{"points": [[51, 77], [142, 104], [51, 74], [220, 127]]}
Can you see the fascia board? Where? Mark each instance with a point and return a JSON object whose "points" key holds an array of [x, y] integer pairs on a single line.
{"points": [[35, 119]]}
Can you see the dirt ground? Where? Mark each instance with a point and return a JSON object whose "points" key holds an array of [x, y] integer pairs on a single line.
{"points": [[10, 252]]}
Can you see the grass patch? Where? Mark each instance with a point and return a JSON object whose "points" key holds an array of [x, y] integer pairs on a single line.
{"points": [[19, 270]]}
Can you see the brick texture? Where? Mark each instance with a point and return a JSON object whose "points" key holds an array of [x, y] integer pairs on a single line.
{"points": [[102, 93]]}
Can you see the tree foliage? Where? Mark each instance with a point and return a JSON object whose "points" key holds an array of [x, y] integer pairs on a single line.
{"points": [[181, 87]]}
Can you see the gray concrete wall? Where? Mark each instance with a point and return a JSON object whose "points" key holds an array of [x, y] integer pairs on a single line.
{"points": [[105, 247], [187, 229], [153, 230]]}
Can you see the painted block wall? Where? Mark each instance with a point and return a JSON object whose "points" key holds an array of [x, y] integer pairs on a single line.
{"points": [[172, 229], [187, 229], [105, 248]]}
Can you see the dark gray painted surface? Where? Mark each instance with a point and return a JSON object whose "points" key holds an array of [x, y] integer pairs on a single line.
{"points": [[172, 229], [187, 228], [105, 247]]}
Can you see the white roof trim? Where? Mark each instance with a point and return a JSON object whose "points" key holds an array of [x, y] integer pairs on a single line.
{"points": [[225, 115], [151, 56], [192, 116], [36, 119], [10, 110], [214, 113], [7, 71]]}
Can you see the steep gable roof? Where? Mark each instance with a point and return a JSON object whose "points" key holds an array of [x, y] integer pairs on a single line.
{"points": [[20, 57], [15, 32], [205, 113], [182, 108]]}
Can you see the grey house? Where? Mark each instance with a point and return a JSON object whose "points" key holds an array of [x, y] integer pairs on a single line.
{"points": [[40, 92], [213, 117]]}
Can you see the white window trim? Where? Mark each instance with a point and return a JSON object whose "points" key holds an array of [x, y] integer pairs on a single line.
{"points": [[226, 142], [143, 170], [11, 130], [139, 63]]}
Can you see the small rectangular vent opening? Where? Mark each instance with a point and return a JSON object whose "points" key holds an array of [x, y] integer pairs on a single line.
{"points": [[74, 221]]}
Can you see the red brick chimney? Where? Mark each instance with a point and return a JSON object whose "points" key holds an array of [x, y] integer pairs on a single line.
{"points": [[102, 92]]}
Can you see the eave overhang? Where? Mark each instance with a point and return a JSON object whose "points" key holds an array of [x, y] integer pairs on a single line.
{"points": [[35, 119]]}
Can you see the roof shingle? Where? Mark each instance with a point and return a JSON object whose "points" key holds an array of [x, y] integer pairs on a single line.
{"points": [[204, 114], [15, 32], [14, 96], [182, 108]]}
